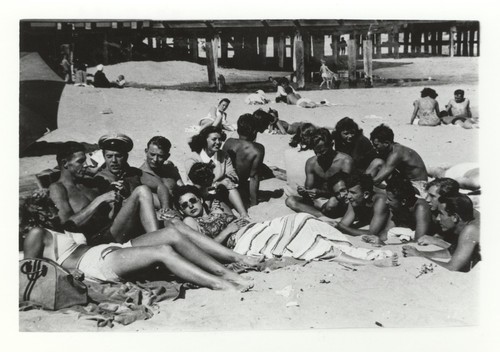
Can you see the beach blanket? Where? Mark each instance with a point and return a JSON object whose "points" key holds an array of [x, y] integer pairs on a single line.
{"points": [[121, 303], [300, 236]]}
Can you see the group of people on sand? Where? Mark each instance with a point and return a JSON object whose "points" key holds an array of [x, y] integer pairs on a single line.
{"points": [[117, 220], [457, 112], [80, 76]]}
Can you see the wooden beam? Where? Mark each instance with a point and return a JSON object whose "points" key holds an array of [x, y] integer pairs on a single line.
{"points": [[351, 61], [223, 48], [478, 32], [471, 42], [211, 51], [193, 48], [440, 42], [105, 53], [451, 46], [433, 43], [318, 47], [335, 48], [307, 40], [378, 45], [459, 43], [406, 41], [465, 51], [426, 42], [299, 61], [395, 39], [262, 49], [281, 51], [367, 61]]}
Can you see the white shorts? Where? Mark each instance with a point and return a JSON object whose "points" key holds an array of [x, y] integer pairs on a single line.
{"points": [[93, 263]]}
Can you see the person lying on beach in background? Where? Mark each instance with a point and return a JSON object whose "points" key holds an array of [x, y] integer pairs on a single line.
{"points": [[247, 157], [461, 246], [466, 174], [102, 216], [458, 112], [300, 236], [318, 169], [411, 217], [257, 98], [426, 109], [327, 75], [303, 137], [295, 99], [46, 237], [206, 148], [119, 83], [217, 116], [158, 165], [349, 139], [394, 158], [365, 208], [281, 84], [119, 174]]}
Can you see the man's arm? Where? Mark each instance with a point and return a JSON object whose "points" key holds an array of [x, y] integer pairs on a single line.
{"points": [[436, 108], [59, 196], [414, 114], [467, 109], [347, 165], [345, 223], [423, 219], [254, 175], [387, 169]]}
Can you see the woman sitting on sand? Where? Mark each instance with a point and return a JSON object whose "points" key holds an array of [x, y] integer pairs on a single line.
{"points": [[217, 117], [45, 237], [349, 139], [426, 109], [301, 236], [206, 147]]}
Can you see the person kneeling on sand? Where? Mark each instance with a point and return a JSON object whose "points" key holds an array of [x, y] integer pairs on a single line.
{"points": [[300, 236], [45, 237], [410, 218], [365, 208], [461, 246]]}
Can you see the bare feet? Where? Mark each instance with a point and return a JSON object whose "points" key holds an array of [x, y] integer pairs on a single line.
{"points": [[231, 286], [387, 262], [373, 240]]}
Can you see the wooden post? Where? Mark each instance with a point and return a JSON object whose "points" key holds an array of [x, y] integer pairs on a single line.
{"points": [[433, 43], [105, 53], [359, 45], [351, 61], [406, 41], [390, 40], [367, 62], [307, 40], [440, 42], [471, 42], [395, 36], [465, 51], [318, 48], [281, 51], [150, 42], [378, 41], [426, 42], [459, 43], [478, 32], [275, 50], [193, 48], [299, 60], [262, 49], [453, 32], [211, 51], [223, 49], [335, 48]]}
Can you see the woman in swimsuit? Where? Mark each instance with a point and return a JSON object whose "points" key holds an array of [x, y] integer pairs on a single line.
{"points": [[44, 236], [426, 109]]}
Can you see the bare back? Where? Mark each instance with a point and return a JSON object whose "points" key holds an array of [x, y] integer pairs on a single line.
{"points": [[408, 163], [243, 154]]}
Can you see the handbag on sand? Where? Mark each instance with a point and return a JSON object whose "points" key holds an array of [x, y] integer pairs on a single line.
{"points": [[44, 282]]}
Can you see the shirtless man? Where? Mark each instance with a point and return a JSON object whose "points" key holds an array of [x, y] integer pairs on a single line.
{"points": [[458, 110], [395, 158], [82, 208], [336, 206], [158, 165], [462, 242], [407, 211], [365, 208], [319, 169], [247, 157]]}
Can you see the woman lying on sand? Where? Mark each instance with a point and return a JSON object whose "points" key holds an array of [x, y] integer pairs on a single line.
{"points": [[301, 236], [456, 219], [217, 116], [45, 238]]}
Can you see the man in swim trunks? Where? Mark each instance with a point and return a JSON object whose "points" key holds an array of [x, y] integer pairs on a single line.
{"points": [[319, 168], [98, 214], [158, 165], [365, 208], [458, 112], [247, 157], [394, 158]]}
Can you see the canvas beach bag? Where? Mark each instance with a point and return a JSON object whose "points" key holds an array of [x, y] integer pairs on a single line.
{"points": [[48, 284]]}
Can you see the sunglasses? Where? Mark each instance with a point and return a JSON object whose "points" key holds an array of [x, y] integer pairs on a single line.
{"points": [[192, 201]]}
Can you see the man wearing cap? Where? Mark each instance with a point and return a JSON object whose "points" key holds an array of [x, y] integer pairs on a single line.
{"points": [[84, 207]]}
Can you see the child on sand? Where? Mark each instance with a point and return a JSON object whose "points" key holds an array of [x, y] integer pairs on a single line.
{"points": [[326, 74]]}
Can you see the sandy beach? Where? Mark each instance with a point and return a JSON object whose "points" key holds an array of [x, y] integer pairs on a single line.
{"points": [[326, 295]]}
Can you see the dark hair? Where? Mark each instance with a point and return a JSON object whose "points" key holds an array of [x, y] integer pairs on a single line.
{"points": [[36, 211], [303, 136], [67, 149], [161, 142], [460, 205], [322, 135], [262, 119], [339, 176], [247, 125], [364, 180], [345, 124], [199, 141], [178, 192], [428, 92], [288, 90], [224, 100], [459, 91], [202, 174], [402, 189], [383, 133], [284, 81], [447, 186]]}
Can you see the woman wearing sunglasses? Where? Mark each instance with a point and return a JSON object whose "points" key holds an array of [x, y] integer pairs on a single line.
{"points": [[301, 236]]}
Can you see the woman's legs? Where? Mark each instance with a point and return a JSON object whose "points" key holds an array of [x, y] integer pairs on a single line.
{"points": [[127, 261], [237, 202], [189, 251]]}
